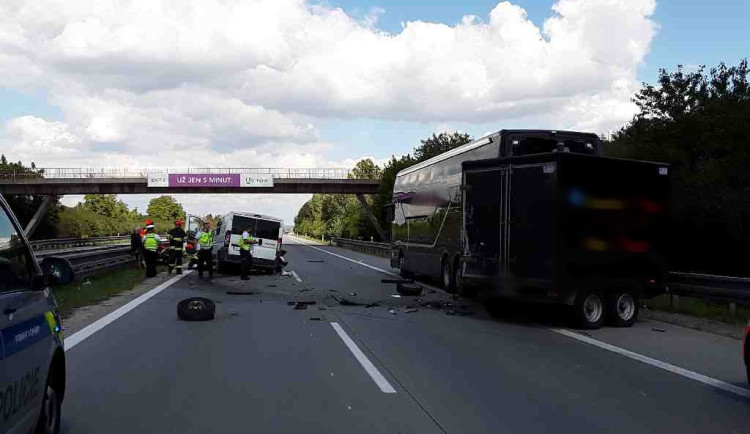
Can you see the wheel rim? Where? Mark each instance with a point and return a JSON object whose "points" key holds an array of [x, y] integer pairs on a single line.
{"points": [[50, 411], [625, 307], [446, 276], [592, 308]]}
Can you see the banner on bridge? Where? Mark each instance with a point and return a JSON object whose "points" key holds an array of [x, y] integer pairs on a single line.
{"points": [[210, 180]]}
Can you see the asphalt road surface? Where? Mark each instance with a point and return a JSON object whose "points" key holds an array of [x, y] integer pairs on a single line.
{"points": [[261, 366]]}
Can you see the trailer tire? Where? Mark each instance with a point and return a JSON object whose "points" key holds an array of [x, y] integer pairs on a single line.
{"points": [[589, 310], [622, 309], [448, 277]]}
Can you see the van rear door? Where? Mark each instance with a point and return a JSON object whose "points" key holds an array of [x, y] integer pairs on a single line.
{"points": [[269, 231]]}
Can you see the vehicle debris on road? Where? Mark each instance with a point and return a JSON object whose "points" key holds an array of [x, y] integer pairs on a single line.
{"points": [[408, 289]]}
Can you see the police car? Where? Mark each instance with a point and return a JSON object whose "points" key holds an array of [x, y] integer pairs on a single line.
{"points": [[32, 357]]}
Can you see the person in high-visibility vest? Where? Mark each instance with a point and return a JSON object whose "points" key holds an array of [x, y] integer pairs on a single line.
{"points": [[150, 245], [205, 250], [176, 240], [245, 243]]}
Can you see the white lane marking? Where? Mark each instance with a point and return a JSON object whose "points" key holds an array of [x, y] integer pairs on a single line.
{"points": [[741, 391], [77, 337], [294, 274], [376, 376]]}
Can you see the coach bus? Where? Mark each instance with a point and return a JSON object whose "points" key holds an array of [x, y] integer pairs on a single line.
{"points": [[427, 198]]}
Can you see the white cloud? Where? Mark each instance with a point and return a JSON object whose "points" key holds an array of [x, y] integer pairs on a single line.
{"points": [[238, 82]]}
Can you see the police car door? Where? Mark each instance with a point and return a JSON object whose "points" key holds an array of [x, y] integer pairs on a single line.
{"points": [[27, 341]]}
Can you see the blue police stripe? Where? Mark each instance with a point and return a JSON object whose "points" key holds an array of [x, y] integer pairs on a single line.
{"points": [[19, 336]]}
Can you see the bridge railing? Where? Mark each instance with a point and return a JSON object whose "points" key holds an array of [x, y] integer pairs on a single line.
{"points": [[143, 172]]}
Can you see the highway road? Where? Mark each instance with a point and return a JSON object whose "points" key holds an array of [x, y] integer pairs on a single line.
{"points": [[262, 366]]}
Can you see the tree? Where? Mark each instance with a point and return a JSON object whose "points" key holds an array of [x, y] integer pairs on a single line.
{"points": [[365, 169], [24, 206], [165, 208], [698, 123], [437, 144], [106, 205]]}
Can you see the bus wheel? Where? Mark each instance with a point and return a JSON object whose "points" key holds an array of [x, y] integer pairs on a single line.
{"points": [[402, 271], [622, 309], [449, 279], [588, 310]]}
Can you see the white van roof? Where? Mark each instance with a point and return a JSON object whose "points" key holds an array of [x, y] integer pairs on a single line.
{"points": [[254, 215]]}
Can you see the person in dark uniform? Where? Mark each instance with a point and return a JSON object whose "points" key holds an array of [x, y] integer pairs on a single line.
{"points": [[176, 241]]}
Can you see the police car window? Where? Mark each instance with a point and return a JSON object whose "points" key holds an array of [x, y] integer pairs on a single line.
{"points": [[16, 267]]}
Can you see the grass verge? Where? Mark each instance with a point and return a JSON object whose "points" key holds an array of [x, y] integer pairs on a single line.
{"points": [[96, 288], [700, 308]]}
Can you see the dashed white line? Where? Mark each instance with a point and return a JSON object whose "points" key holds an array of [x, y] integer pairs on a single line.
{"points": [[658, 363], [78, 337], [294, 274], [376, 376]]}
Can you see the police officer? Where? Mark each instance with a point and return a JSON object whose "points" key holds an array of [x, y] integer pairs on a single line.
{"points": [[245, 243], [176, 240], [150, 244], [205, 250]]}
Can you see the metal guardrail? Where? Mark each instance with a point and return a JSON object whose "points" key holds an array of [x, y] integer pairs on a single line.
{"points": [[67, 243], [725, 289], [143, 172]]}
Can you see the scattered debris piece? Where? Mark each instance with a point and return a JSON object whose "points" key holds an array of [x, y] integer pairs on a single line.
{"points": [[344, 302], [300, 306], [434, 304], [368, 305], [395, 296], [315, 260], [305, 290], [408, 289], [397, 280], [411, 310], [286, 273], [333, 290], [86, 282], [240, 292], [353, 294], [659, 330], [392, 311], [314, 318], [271, 285]]}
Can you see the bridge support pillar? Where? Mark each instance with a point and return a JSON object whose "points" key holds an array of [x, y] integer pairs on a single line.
{"points": [[371, 217], [38, 215]]}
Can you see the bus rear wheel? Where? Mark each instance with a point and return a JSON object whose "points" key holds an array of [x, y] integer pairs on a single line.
{"points": [[449, 277]]}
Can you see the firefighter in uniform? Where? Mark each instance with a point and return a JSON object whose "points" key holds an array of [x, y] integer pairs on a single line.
{"points": [[150, 245], [205, 250], [176, 240], [245, 243]]}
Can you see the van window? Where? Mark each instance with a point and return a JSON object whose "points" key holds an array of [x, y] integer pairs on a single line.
{"points": [[16, 267], [241, 224], [267, 229]]}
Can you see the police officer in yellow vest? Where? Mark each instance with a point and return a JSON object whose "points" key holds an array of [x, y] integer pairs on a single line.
{"points": [[205, 250], [245, 243], [150, 244]]}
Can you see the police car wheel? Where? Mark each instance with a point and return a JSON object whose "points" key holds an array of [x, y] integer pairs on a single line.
{"points": [[196, 309], [49, 418]]}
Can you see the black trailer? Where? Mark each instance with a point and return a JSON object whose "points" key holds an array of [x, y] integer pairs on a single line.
{"points": [[572, 229]]}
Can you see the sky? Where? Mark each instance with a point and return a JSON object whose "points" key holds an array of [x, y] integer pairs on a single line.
{"points": [[294, 83]]}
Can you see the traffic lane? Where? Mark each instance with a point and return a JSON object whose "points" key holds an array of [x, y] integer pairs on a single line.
{"points": [[712, 355], [260, 364], [717, 356], [476, 376]]}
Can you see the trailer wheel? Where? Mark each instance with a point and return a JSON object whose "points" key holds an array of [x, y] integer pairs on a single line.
{"points": [[448, 277], [588, 310], [622, 309]]}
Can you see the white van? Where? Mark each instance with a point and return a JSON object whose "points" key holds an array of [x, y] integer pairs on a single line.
{"points": [[267, 230]]}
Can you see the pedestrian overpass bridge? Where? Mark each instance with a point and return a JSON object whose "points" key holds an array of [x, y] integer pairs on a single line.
{"points": [[64, 181]]}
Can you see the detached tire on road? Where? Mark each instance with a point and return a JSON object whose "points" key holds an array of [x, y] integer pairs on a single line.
{"points": [[589, 310], [622, 309], [196, 309]]}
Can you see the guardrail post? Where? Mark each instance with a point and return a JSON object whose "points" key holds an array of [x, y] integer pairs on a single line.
{"points": [[733, 309]]}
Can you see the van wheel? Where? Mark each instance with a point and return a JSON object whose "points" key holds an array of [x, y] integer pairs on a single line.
{"points": [[49, 418], [449, 279], [622, 309], [588, 310]]}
